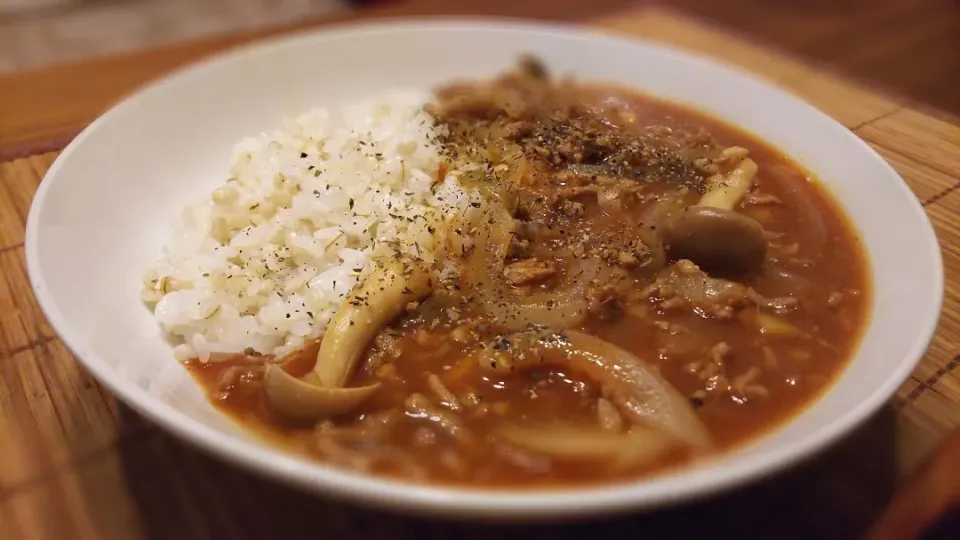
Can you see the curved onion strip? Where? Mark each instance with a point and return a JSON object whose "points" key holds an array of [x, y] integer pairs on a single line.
{"points": [[372, 303], [808, 215], [778, 281], [494, 191], [517, 174], [726, 190], [560, 309], [643, 447], [636, 447], [298, 400], [641, 393], [659, 212], [645, 396], [608, 416]]}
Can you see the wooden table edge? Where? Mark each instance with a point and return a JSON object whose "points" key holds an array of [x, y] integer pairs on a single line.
{"points": [[42, 81], [837, 73]]}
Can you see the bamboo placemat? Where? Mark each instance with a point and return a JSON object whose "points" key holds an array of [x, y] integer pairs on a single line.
{"points": [[76, 464]]}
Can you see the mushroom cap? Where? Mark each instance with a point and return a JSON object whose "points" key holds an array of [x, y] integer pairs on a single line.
{"points": [[307, 401], [717, 240]]}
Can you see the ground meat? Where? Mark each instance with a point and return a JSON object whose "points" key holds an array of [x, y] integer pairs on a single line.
{"points": [[386, 346], [712, 371], [419, 407], [528, 271], [745, 385], [447, 398], [685, 286], [519, 248], [627, 259], [465, 333], [424, 436], [518, 129], [731, 155], [633, 255], [706, 166], [602, 300], [571, 208], [778, 304], [563, 126]]}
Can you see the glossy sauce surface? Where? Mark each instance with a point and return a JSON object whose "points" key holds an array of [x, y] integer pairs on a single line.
{"points": [[742, 375]]}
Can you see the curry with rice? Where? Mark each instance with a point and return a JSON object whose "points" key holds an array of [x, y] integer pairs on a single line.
{"points": [[641, 286]]}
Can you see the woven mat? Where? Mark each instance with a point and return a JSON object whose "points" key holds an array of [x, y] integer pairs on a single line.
{"points": [[76, 464]]}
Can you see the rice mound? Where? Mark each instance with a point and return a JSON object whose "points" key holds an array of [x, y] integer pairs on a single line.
{"points": [[265, 261]]}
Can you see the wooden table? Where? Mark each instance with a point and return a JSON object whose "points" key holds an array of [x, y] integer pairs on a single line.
{"points": [[75, 463], [909, 47]]}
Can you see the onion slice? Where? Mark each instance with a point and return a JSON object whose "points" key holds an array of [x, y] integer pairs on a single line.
{"points": [[484, 275], [639, 446], [634, 386]]}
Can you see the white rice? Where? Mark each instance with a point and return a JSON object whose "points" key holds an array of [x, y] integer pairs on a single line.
{"points": [[265, 262]]}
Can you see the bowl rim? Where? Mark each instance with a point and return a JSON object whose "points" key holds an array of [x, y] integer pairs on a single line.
{"points": [[450, 500]]}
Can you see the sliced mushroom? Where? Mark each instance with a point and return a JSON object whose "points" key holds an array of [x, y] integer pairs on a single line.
{"points": [[717, 240], [712, 234], [726, 190], [304, 401], [638, 390], [372, 304]]}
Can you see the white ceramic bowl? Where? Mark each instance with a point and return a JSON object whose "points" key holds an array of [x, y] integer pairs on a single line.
{"points": [[100, 218]]}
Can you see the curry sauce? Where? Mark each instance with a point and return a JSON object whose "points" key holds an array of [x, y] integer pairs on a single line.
{"points": [[580, 248]]}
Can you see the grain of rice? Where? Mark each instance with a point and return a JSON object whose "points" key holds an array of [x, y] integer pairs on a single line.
{"points": [[264, 262]]}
